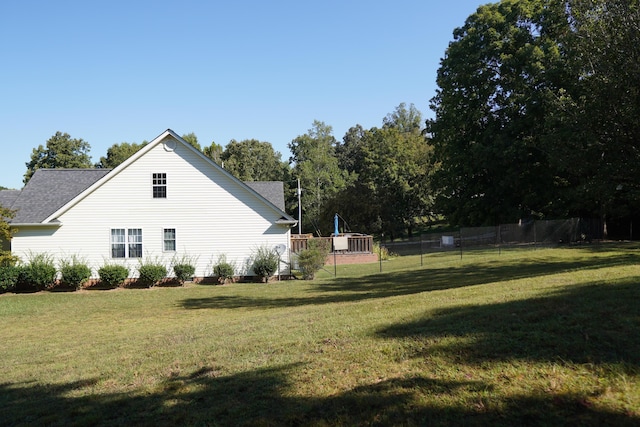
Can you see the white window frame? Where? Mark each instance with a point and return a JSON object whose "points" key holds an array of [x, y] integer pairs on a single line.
{"points": [[130, 239], [166, 240]]}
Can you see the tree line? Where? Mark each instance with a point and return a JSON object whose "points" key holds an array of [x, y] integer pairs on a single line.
{"points": [[536, 116]]}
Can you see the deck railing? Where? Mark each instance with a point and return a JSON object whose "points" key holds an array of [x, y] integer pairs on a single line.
{"points": [[357, 244]]}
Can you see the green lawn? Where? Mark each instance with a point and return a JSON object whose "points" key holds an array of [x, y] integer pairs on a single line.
{"points": [[524, 337]]}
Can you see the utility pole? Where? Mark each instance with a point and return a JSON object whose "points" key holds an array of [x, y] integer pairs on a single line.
{"points": [[299, 208]]}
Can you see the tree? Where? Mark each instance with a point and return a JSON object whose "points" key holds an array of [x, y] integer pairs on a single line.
{"points": [[350, 151], [6, 258], [192, 139], [5, 230], [118, 153], [253, 160], [214, 152], [497, 83], [392, 191], [601, 156], [315, 164], [61, 152]]}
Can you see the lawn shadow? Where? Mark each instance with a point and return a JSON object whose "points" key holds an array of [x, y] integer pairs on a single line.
{"points": [[407, 282], [264, 398], [591, 323]]}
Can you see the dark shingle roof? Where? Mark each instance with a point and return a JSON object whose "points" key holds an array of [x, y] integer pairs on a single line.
{"points": [[50, 189], [7, 197], [273, 191]]}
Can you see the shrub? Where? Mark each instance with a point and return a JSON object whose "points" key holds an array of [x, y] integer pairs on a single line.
{"points": [[151, 273], [265, 262], [382, 252], [312, 259], [224, 270], [113, 276], [183, 267], [183, 272], [9, 275], [74, 273], [39, 273], [8, 259]]}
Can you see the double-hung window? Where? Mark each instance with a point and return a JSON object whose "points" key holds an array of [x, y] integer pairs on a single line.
{"points": [[118, 246], [169, 238], [134, 238], [159, 185], [126, 243]]}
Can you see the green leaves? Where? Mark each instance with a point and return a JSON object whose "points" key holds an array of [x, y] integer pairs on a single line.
{"points": [[253, 160], [489, 112], [61, 151], [316, 165]]}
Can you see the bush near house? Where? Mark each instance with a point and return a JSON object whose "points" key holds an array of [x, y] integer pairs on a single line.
{"points": [[112, 276], [183, 272], [151, 273], [183, 267], [265, 263], [39, 273], [74, 273], [9, 275], [224, 270]]}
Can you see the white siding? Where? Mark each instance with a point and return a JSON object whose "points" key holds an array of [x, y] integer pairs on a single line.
{"points": [[212, 214]]}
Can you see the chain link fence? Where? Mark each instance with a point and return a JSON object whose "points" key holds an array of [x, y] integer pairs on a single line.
{"points": [[523, 234]]}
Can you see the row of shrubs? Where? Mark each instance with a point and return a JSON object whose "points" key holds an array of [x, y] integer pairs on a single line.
{"points": [[40, 272]]}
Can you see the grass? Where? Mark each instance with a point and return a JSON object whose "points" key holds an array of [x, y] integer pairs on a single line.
{"points": [[536, 337]]}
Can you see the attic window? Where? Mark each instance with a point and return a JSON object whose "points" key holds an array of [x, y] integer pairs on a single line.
{"points": [[159, 185]]}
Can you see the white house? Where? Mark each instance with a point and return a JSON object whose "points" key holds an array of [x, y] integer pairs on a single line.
{"points": [[165, 202]]}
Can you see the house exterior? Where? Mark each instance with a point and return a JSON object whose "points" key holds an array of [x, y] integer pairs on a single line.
{"points": [[166, 202]]}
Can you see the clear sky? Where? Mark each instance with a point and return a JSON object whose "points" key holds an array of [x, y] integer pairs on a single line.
{"points": [[124, 71]]}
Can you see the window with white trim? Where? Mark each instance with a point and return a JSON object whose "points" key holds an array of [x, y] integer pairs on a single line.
{"points": [[117, 243], [134, 238], [159, 186], [169, 239], [126, 243]]}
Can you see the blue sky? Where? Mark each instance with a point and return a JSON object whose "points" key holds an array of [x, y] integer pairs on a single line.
{"points": [[124, 71]]}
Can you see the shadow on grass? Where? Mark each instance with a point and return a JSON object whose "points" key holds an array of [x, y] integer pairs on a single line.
{"points": [[593, 323], [407, 282], [264, 398]]}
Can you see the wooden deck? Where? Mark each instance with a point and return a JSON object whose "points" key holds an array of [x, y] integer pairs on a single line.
{"points": [[360, 248]]}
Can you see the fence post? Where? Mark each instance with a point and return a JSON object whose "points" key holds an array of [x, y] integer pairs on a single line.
{"points": [[460, 234], [421, 261]]}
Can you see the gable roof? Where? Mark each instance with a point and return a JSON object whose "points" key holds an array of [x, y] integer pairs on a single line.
{"points": [[51, 192], [7, 197], [50, 189], [273, 191]]}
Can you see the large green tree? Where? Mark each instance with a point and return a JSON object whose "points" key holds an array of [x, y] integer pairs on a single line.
{"points": [[392, 164], [316, 166], [118, 153], [253, 160], [598, 111], [61, 151], [497, 83]]}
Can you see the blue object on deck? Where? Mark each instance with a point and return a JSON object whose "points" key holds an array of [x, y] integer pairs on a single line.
{"points": [[335, 225]]}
